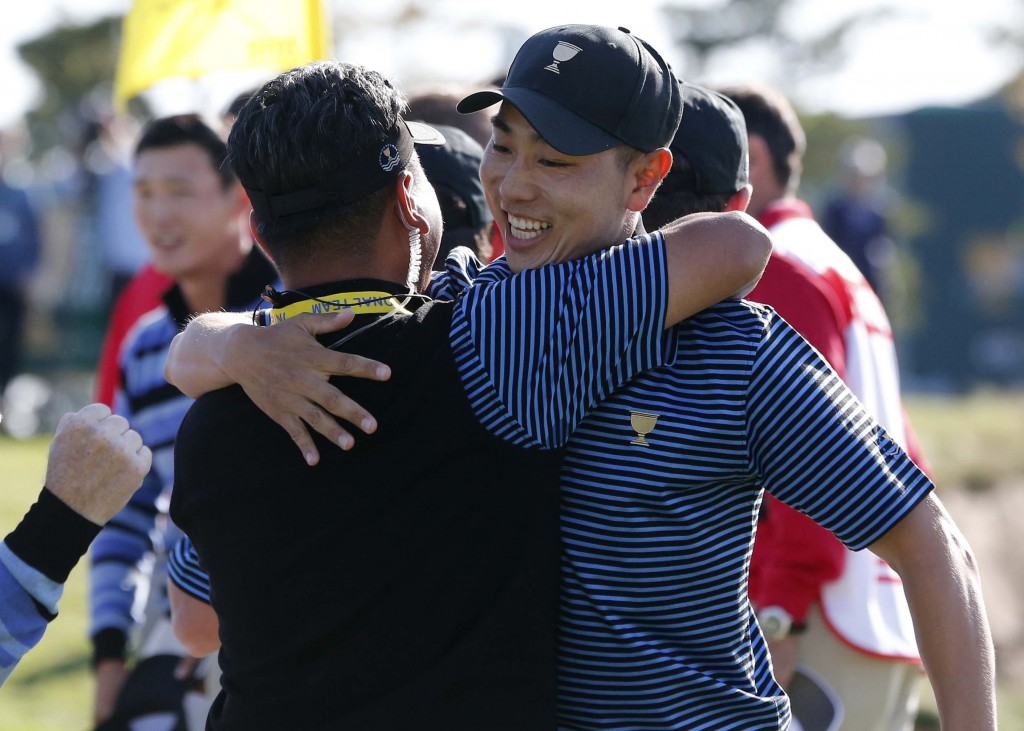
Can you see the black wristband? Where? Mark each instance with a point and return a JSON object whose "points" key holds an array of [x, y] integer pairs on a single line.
{"points": [[52, 537], [108, 644]]}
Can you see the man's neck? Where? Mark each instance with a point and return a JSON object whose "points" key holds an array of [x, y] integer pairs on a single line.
{"points": [[314, 274], [205, 293], [343, 286], [207, 290]]}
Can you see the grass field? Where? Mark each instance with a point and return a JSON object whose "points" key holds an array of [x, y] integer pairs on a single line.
{"points": [[973, 443], [51, 689]]}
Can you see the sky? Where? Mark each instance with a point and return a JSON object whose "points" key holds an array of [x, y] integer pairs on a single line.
{"points": [[931, 54]]}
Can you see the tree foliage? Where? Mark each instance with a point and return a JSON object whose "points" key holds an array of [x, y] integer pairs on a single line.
{"points": [[73, 64], [728, 25]]}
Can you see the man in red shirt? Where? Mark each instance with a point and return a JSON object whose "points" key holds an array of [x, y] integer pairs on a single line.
{"points": [[142, 294]]}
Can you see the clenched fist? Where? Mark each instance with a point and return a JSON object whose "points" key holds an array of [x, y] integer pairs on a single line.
{"points": [[96, 462]]}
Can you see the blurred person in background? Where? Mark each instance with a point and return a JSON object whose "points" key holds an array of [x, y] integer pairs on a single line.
{"points": [[841, 614], [95, 463], [142, 293], [190, 209], [453, 169], [108, 162], [139, 295], [857, 217], [20, 250], [437, 106]]}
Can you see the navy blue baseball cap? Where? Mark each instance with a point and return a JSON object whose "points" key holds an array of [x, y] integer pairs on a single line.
{"points": [[361, 175], [713, 139], [589, 88]]}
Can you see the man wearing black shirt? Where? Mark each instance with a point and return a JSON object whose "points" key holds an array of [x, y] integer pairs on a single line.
{"points": [[408, 583]]}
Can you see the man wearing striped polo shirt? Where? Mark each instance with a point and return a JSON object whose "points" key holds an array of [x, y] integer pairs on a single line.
{"points": [[796, 562], [662, 482], [384, 590]]}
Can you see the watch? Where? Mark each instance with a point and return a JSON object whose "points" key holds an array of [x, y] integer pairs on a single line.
{"points": [[776, 623]]}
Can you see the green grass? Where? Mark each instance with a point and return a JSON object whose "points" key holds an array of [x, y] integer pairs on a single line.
{"points": [[51, 689], [972, 443]]}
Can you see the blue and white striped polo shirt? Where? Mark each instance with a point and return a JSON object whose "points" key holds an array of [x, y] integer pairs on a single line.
{"points": [[656, 629], [131, 548]]}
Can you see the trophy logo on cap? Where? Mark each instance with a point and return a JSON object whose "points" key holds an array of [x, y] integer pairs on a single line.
{"points": [[563, 52]]}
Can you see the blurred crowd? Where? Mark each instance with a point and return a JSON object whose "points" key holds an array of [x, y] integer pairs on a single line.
{"points": [[122, 251], [70, 244]]}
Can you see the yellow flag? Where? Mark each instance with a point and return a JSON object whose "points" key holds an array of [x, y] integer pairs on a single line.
{"points": [[190, 38]]}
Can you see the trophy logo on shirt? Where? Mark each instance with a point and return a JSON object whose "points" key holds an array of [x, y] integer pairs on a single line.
{"points": [[643, 423]]}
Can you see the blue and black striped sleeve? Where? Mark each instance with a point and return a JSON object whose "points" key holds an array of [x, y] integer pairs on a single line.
{"points": [[186, 572], [817, 448], [538, 350], [461, 268]]}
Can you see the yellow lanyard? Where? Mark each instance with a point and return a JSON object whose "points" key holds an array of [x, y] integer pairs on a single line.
{"points": [[363, 303]]}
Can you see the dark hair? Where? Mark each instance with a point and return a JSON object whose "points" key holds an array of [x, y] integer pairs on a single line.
{"points": [[300, 128], [187, 129], [675, 196], [769, 114]]}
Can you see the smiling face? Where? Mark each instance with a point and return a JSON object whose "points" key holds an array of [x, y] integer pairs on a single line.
{"points": [[552, 207], [188, 217]]}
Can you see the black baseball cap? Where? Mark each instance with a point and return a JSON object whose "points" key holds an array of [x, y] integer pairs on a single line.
{"points": [[589, 88], [361, 175], [713, 139], [455, 165]]}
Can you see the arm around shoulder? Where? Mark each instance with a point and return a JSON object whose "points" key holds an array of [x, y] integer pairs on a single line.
{"points": [[282, 368], [943, 587], [197, 354], [712, 257]]}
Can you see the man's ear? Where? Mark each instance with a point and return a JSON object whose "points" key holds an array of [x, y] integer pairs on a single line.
{"points": [[246, 203], [646, 174], [405, 203], [760, 160], [254, 233], [241, 198], [739, 200]]}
